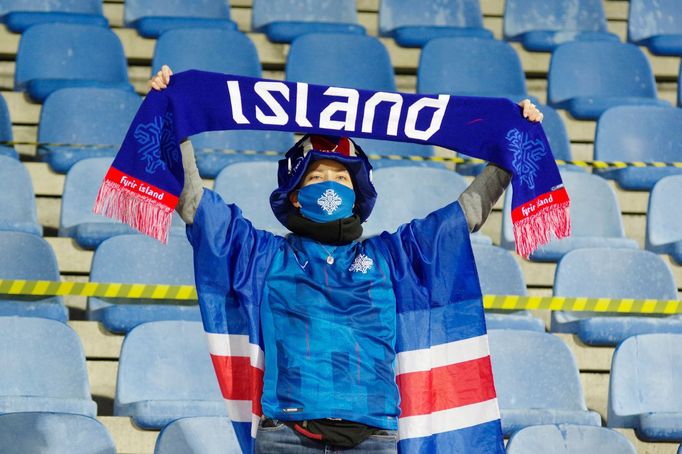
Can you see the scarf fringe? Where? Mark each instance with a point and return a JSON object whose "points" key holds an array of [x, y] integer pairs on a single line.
{"points": [[536, 230], [142, 213]]}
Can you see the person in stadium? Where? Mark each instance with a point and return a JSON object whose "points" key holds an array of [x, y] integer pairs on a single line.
{"points": [[327, 310]]}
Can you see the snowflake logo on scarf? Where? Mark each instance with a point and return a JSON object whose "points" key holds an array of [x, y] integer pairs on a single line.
{"points": [[159, 148], [362, 264], [329, 201], [527, 153]]}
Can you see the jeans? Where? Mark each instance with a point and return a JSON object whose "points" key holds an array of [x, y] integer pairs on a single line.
{"points": [[283, 439]]}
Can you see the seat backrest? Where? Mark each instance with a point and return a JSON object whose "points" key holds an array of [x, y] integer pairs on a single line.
{"points": [[208, 49], [521, 16], [442, 13], [203, 434], [210, 9], [62, 6], [27, 256], [614, 273], [140, 259], [568, 439], [53, 432], [664, 215], [268, 11], [498, 272], [646, 373], [166, 360], [407, 193], [534, 370], [70, 51], [80, 191], [599, 68], [639, 133], [5, 126], [46, 359], [556, 133], [343, 60], [647, 18], [90, 116], [249, 185], [16, 192], [482, 67]]}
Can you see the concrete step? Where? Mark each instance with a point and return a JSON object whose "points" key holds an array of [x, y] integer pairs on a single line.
{"points": [[596, 392], [98, 343], [649, 448], [129, 439]]}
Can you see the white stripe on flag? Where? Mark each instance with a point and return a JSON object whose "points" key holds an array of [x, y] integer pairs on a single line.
{"points": [[443, 355], [448, 420], [235, 345], [239, 410], [255, 419]]}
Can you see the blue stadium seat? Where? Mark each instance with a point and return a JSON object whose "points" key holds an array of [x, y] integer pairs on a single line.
{"points": [[537, 381], [198, 435], [165, 373], [138, 259], [29, 257], [644, 391], [679, 88], [613, 273], [639, 133], [407, 193], [45, 433], [664, 218], [587, 78], [541, 26], [285, 20], [500, 274], [44, 368], [557, 136], [54, 56], [249, 185], [6, 131], [17, 199], [225, 51], [595, 219], [656, 24], [569, 439], [18, 15], [98, 117], [413, 24], [151, 18], [360, 62]]}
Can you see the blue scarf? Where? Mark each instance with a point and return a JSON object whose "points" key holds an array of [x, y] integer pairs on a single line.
{"points": [[146, 178]]}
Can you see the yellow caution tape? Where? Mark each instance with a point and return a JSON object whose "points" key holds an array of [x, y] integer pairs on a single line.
{"points": [[188, 293]]}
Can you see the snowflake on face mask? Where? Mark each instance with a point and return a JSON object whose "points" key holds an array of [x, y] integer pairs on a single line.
{"points": [[329, 201]]}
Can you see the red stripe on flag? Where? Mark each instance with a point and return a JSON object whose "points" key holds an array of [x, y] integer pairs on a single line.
{"points": [[446, 387], [238, 380]]}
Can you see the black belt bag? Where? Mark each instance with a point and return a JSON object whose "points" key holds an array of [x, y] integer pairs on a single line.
{"points": [[337, 432]]}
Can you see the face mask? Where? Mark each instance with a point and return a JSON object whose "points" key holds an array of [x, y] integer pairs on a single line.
{"points": [[326, 201]]}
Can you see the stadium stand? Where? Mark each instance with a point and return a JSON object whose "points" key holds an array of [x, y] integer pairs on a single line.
{"points": [[663, 222], [16, 198], [165, 373], [138, 259], [587, 78], [248, 185], [613, 273], [18, 15], [198, 435], [568, 439], [644, 388], [80, 123], [283, 21], [54, 56], [6, 131], [62, 382], [656, 24], [354, 61], [413, 24], [225, 51], [537, 381], [42, 432], [500, 274], [151, 18], [30, 257], [541, 26], [639, 133], [595, 219]]}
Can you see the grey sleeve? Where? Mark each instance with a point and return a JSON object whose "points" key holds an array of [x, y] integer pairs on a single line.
{"points": [[194, 186], [478, 199]]}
